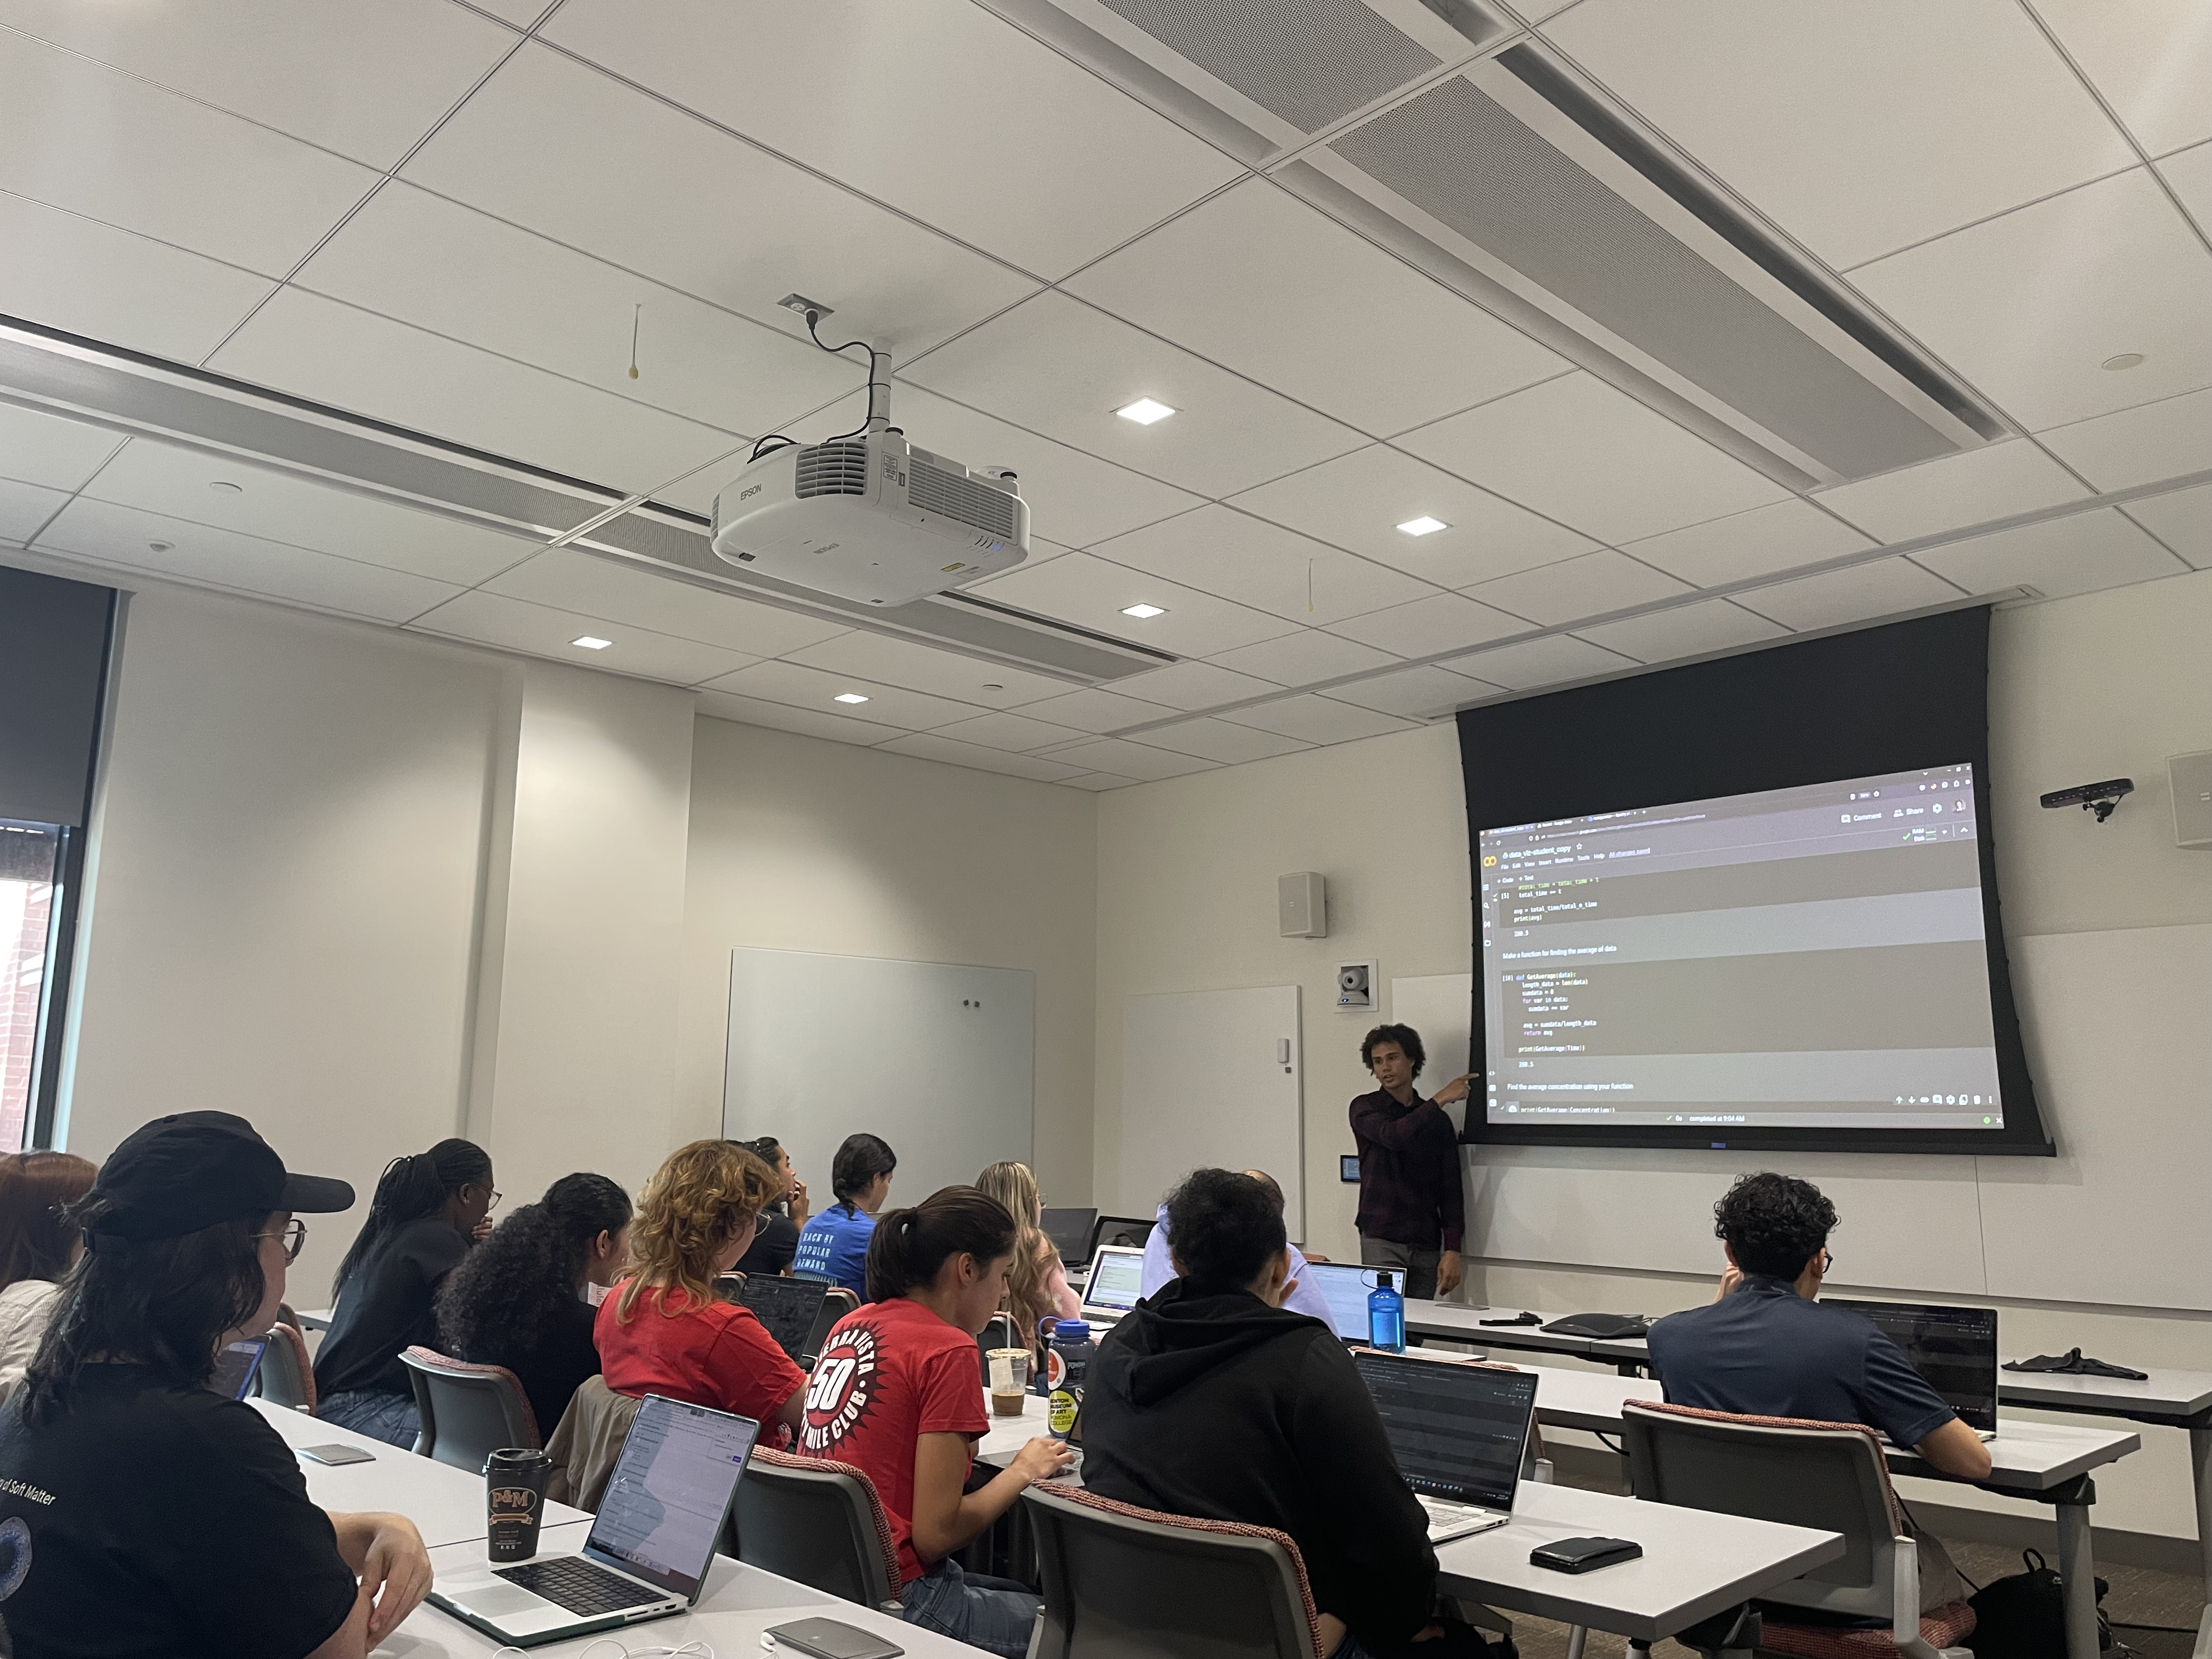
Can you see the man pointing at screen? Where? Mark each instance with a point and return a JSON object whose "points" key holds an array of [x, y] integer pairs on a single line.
{"points": [[1411, 1212]]}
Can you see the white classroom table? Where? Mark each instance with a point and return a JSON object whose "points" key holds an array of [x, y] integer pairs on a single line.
{"points": [[740, 1604], [446, 1504], [314, 1319]]}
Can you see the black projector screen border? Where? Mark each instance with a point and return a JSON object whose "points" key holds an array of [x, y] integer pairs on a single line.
{"points": [[1879, 700]]}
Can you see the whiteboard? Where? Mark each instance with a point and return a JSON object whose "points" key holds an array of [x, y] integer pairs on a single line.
{"points": [[1212, 1080], [1441, 1007], [939, 1060]]}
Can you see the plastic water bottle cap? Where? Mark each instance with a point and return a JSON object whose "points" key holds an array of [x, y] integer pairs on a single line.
{"points": [[1072, 1330]]}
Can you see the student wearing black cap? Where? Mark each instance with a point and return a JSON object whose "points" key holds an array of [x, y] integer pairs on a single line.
{"points": [[142, 1514]]}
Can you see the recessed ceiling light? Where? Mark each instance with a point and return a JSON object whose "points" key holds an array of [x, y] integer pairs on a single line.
{"points": [[592, 643], [1423, 525], [161, 547], [850, 697], [224, 487], [1143, 613], [2125, 360], [1145, 411], [992, 685]]}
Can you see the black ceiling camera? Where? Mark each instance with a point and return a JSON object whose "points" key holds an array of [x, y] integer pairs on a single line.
{"points": [[2098, 798]]}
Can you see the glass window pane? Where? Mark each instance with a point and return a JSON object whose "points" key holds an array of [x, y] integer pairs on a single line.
{"points": [[29, 861]]}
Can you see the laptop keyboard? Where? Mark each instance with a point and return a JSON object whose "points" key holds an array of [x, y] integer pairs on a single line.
{"points": [[1446, 1517], [582, 1587]]}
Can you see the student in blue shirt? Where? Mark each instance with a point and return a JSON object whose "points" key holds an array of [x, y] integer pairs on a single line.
{"points": [[834, 1245]]}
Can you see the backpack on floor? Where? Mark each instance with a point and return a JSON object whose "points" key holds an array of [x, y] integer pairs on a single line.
{"points": [[2024, 1616]]}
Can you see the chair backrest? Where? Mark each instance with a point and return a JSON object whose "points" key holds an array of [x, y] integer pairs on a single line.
{"points": [[1801, 1473], [587, 1443], [468, 1411], [820, 1523], [1124, 1583], [286, 1377], [836, 1303]]}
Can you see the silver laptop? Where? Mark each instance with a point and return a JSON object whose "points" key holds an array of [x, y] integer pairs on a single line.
{"points": [[1345, 1286], [649, 1549], [1116, 1284], [1459, 1433], [1954, 1349]]}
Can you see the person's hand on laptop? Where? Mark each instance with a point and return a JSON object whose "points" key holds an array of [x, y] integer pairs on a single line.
{"points": [[1042, 1459]]}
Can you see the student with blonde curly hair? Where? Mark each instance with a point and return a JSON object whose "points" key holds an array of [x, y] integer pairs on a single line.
{"points": [[1037, 1286], [661, 1331]]}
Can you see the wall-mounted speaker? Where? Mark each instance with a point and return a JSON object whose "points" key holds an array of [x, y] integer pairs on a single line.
{"points": [[1301, 905], [2191, 776]]}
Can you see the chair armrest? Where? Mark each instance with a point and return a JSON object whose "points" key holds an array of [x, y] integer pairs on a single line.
{"points": [[1904, 1595], [1543, 1474]]}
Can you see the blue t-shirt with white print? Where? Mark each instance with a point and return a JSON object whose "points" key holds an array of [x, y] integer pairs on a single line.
{"points": [[834, 1245]]}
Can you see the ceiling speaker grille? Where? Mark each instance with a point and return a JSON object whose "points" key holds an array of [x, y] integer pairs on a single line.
{"points": [[832, 470], [1306, 62], [934, 489], [1462, 157]]}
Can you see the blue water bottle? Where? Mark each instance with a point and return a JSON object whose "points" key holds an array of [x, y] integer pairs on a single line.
{"points": [[1386, 1314]]}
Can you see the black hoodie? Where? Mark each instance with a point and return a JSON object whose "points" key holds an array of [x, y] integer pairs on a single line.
{"points": [[1216, 1405]]}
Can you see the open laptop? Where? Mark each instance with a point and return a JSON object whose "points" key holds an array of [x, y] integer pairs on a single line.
{"points": [[1127, 1232], [235, 1366], [649, 1548], [1955, 1349], [1459, 1433], [1345, 1286], [1115, 1285], [790, 1308], [1070, 1233]]}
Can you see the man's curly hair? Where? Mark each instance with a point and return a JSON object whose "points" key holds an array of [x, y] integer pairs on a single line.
{"points": [[1774, 1222]]}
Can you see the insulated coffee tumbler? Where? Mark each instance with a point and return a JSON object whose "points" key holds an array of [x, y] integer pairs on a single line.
{"points": [[514, 1501]]}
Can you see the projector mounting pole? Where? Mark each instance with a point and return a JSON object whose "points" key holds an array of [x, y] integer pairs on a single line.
{"points": [[879, 389]]}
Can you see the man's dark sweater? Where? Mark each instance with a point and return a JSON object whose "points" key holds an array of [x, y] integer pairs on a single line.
{"points": [[1217, 1405]]}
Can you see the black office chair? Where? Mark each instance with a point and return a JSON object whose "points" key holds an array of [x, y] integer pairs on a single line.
{"points": [[286, 1377], [468, 1411], [820, 1523]]}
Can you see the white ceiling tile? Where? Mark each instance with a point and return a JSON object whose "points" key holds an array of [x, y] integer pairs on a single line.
{"points": [[301, 342], [556, 145], [458, 272], [1533, 663], [1017, 732], [783, 717], [1862, 593], [246, 564], [1189, 685], [544, 631], [1688, 631], [2139, 445], [1097, 710], [933, 106], [572, 579], [2191, 174], [1221, 740], [2182, 520], [283, 507], [1416, 693], [25, 506], [1098, 780], [1358, 501], [1430, 625], [1092, 593], [936, 746], [1578, 450], [1302, 657], [1258, 280], [2151, 58], [1745, 544], [920, 667], [521, 13], [1129, 760], [1859, 125], [47, 449], [2030, 306], [1981, 484], [1253, 562], [365, 81], [2058, 558], [1587, 586], [1061, 367], [1075, 499], [817, 688], [78, 135], [1316, 719], [84, 278]]}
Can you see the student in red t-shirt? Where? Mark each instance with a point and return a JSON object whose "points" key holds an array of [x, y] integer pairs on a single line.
{"points": [[896, 1394], [661, 1331]]}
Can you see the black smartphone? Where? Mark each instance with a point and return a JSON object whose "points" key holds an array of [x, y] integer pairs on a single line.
{"points": [[338, 1454], [1583, 1554]]}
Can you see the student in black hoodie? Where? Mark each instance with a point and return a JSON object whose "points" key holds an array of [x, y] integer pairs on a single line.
{"points": [[1212, 1400]]}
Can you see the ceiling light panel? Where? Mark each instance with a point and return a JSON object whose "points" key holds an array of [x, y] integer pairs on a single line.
{"points": [[1245, 558], [597, 586], [1092, 593], [1423, 525], [812, 688], [849, 696], [1143, 613], [542, 631], [590, 643], [784, 717], [897, 661], [1145, 411]]}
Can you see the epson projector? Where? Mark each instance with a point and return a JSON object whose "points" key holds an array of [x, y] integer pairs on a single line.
{"points": [[871, 518]]}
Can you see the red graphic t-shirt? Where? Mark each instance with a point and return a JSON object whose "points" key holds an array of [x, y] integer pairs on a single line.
{"points": [[889, 1373], [714, 1355]]}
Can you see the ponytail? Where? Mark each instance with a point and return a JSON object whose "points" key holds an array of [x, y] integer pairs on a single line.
{"points": [[909, 1247], [859, 1162], [494, 1308], [410, 1188]]}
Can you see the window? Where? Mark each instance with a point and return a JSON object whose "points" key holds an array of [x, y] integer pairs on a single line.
{"points": [[30, 895]]}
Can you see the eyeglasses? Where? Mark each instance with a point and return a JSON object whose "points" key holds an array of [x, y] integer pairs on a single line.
{"points": [[496, 1197], [1828, 1262], [295, 1236], [760, 1222]]}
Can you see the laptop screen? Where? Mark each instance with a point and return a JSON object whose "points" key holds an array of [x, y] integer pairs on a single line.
{"points": [[1129, 1232], [1955, 1349], [1345, 1288], [235, 1366], [1117, 1281], [1458, 1431], [1070, 1233], [788, 1307], [670, 1491]]}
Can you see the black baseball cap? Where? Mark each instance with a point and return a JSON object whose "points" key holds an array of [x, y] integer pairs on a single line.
{"points": [[195, 1170]]}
